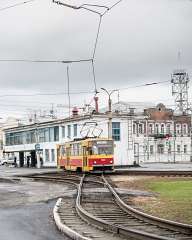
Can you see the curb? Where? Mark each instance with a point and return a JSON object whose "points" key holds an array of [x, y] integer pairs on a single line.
{"points": [[62, 227]]}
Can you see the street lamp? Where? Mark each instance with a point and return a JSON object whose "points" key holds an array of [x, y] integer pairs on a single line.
{"points": [[109, 111]]}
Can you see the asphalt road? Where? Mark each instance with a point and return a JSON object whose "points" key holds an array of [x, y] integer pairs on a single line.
{"points": [[32, 222]]}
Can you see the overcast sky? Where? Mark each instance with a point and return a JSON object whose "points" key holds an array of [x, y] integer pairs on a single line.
{"points": [[138, 43]]}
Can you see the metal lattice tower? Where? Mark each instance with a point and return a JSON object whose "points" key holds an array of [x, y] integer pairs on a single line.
{"points": [[180, 86]]}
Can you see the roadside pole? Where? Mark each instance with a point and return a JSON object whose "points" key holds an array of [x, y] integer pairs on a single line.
{"points": [[191, 135], [110, 120], [37, 147]]}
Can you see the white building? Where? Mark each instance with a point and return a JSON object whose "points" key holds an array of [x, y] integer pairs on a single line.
{"points": [[151, 135], [21, 141]]}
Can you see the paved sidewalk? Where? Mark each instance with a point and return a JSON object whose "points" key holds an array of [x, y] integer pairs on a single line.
{"points": [[159, 167], [6, 172]]}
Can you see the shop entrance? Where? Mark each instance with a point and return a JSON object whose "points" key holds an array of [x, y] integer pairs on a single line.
{"points": [[33, 159], [21, 159]]}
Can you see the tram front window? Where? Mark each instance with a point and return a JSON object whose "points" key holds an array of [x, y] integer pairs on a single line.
{"points": [[102, 147]]}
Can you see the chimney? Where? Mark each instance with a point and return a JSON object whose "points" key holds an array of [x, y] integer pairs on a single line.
{"points": [[96, 104], [75, 112]]}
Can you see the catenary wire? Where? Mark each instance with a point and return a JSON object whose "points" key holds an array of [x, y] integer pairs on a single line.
{"points": [[16, 5], [45, 61], [80, 92]]}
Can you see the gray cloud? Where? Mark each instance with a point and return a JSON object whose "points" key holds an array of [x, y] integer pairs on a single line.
{"points": [[138, 42]]}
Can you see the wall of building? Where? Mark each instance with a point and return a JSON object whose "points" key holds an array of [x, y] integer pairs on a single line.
{"points": [[70, 130], [153, 136]]}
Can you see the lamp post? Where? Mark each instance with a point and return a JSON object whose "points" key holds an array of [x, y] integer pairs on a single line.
{"points": [[190, 109], [191, 135], [109, 111]]}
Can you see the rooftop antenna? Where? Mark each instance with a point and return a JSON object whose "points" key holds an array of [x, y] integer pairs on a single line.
{"points": [[180, 86]]}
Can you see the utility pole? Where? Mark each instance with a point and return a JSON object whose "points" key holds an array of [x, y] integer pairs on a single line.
{"points": [[110, 114], [68, 92], [174, 140], [191, 136], [37, 147]]}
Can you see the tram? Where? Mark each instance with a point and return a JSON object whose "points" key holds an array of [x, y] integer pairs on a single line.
{"points": [[86, 155]]}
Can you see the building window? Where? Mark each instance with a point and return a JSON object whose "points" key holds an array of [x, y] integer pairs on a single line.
{"points": [[169, 148], [116, 131], [185, 149], [160, 149], [168, 129], [36, 135], [63, 131], [162, 129], [140, 128], [178, 148], [41, 135], [51, 134], [46, 134], [56, 133], [184, 129], [156, 128], [151, 149], [150, 128], [69, 131], [47, 155], [53, 155], [134, 128], [178, 129], [75, 130]]}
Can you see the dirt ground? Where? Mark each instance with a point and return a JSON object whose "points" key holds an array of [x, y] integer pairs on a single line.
{"points": [[175, 208]]}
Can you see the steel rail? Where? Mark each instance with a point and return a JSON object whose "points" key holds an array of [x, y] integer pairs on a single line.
{"points": [[171, 173], [176, 226], [102, 224]]}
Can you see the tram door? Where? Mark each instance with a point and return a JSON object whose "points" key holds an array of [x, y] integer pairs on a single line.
{"points": [[84, 158]]}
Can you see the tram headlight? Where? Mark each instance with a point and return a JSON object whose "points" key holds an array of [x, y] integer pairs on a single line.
{"points": [[94, 162], [111, 161]]}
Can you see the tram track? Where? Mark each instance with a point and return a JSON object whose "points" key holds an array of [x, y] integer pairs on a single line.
{"points": [[105, 209], [97, 212]]}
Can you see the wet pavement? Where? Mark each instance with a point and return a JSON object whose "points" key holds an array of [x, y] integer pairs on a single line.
{"points": [[26, 192], [10, 171], [33, 222], [26, 209]]}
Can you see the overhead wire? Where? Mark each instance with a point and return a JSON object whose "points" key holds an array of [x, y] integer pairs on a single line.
{"points": [[80, 92], [16, 5], [96, 40], [45, 61], [143, 85]]}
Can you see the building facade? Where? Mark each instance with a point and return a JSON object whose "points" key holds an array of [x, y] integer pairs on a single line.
{"points": [[22, 142], [161, 136], [153, 135]]}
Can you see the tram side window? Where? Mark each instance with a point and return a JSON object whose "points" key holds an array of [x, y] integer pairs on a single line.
{"points": [[75, 149]]}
